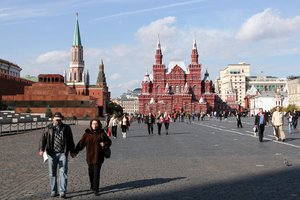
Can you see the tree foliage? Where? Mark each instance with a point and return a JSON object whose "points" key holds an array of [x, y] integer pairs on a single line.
{"points": [[48, 112], [114, 108]]}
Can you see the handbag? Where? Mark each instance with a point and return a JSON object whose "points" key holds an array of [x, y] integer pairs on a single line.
{"points": [[45, 156], [107, 152], [255, 129]]}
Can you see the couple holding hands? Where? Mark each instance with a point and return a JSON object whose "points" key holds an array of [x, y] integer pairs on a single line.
{"points": [[57, 141]]}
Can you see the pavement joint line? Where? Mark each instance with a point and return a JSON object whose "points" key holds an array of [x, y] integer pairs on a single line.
{"points": [[279, 142]]}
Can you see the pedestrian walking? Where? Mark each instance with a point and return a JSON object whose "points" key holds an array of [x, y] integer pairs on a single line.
{"points": [[159, 121], [57, 141], [290, 119], [124, 125], [95, 140], [150, 121], [295, 119], [277, 122], [260, 123], [239, 120], [167, 122], [113, 125]]}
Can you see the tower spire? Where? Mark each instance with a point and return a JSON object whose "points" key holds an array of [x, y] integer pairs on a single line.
{"points": [[77, 62], [77, 39], [195, 54], [158, 54], [158, 43]]}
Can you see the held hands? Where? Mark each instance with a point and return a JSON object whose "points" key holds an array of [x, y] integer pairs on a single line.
{"points": [[73, 155]]}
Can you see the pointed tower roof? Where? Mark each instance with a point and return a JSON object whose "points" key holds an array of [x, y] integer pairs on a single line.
{"points": [[77, 39], [158, 43], [158, 54], [195, 54], [206, 76], [147, 77], [101, 75], [194, 44]]}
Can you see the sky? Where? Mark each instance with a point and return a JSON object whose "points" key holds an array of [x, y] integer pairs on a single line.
{"points": [[38, 36]]}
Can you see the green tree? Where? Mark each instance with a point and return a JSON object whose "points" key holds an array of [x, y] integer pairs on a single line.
{"points": [[48, 112], [291, 108], [114, 108], [2, 106], [28, 110]]}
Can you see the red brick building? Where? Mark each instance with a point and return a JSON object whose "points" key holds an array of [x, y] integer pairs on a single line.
{"points": [[177, 87], [52, 92], [73, 95], [12, 85]]}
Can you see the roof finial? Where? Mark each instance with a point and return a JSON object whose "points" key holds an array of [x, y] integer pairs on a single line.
{"points": [[158, 41], [194, 44]]}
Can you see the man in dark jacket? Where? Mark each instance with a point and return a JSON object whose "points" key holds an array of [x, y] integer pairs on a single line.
{"points": [[150, 121], [260, 122], [238, 119], [57, 141]]}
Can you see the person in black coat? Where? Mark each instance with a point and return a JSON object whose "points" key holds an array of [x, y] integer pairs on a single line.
{"points": [[150, 121], [239, 120], [260, 123], [95, 140]]}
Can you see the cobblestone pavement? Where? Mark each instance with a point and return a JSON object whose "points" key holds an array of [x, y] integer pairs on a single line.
{"points": [[210, 159]]}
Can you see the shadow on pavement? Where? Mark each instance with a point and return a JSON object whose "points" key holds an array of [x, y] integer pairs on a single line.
{"points": [[277, 185], [137, 184]]}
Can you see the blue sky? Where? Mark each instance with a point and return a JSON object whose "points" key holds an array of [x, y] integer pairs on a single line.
{"points": [[38, 35]]}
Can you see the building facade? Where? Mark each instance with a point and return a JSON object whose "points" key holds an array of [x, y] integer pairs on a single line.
{"points": [[266, 83], [177, 87], [9, 68], [294, 91], [129, 101], [232, 82]]}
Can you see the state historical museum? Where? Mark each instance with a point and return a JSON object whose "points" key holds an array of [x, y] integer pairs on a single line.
{"points": [[177, 88]]}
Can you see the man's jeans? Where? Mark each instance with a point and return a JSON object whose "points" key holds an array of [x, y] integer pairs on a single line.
{"points": [[54, 160]]}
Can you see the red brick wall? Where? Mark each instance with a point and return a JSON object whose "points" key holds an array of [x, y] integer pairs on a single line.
{"points": [[10, 85], [66, 112]]}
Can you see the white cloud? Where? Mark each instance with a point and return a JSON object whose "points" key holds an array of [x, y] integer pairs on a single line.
{"points": [[164, 27], [53, 58], [268, 24], [115, 76], [130, 84]]}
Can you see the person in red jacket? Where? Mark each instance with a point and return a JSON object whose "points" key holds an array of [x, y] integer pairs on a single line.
{"points": [[95, 140]]}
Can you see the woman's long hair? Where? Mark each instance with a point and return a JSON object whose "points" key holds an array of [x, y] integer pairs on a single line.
{"points": [[99, 123]]}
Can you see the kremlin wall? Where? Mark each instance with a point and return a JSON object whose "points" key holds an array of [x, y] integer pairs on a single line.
{"points": [[71, 95]]}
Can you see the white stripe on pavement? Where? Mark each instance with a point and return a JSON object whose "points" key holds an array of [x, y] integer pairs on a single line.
{"points": [[245, 134]]}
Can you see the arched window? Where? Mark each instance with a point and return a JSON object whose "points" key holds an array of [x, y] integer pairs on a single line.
{"points": [[158, 89], [177, 89]]}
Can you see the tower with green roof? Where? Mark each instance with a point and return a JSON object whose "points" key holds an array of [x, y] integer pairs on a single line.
{"points": [[77, 74]]}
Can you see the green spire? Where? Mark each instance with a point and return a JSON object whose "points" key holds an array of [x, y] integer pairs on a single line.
{"points": [[77, 40]]}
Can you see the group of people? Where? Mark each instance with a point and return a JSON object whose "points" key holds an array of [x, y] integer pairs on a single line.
{"points": [[262, 118], [160, 119], [114, 122], [57, 142]]}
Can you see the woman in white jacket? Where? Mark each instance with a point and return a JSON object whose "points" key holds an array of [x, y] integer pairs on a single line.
{"points": [[113, 126]]}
